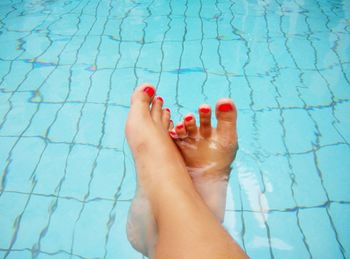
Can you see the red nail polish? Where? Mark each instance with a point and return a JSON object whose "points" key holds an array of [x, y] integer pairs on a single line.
{"points": [[172, 133], [225, 107], [188, 118], [179, 126], [204, 109], [160, 99], [167, 109], [149, 90]]}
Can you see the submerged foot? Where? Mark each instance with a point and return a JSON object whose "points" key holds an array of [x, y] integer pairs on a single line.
{"points": [[208, 152]]}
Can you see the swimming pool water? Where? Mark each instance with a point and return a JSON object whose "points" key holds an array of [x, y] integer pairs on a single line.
{"points": [[68, 68]]}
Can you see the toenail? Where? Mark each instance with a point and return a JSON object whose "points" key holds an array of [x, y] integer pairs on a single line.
{"points": [[160, 99], [179, 126], [204, 109], [225, 107], [167, 109], [172, 133], [188, 118], [149, 90]]}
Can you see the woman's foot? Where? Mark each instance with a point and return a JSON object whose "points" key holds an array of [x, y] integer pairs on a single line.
{"points": [[154, 152], [208, 152]]}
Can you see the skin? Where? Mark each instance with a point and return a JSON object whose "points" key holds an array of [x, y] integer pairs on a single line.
{"points": [[208, 152], [185, 225]]}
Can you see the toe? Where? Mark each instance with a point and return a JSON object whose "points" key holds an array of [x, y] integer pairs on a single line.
{"points": [[204, 120], [156, 110], [166, 118], [180, 130], [190, 125], [140, 101], [171, 125], [226, 114]]}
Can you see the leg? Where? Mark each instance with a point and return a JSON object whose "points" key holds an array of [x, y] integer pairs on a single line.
{"points": [[186, 227]]}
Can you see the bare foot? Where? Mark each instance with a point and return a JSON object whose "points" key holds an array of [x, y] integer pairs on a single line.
{"points": [[208, 152], [147, 135]]}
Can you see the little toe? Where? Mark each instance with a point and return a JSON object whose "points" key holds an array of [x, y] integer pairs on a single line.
{"points": [[156, 110], [226, 114], [190, 125], [171, 125], [205, 120], [166, 118], [180, 130]]}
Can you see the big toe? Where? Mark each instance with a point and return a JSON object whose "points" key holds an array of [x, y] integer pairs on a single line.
{"points": [[226, 114], [141, 99]]}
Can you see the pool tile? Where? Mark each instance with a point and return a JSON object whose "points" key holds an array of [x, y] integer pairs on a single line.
{"points": [[18, 175], [11, 205], [319, 234], [300, 130], [117, 245], [340, 216], [334, 165], [60, 232], [33, 222], [77, 176], [19, 116], [66, 123], [286, 237], [278, 182], [90, 128], [89, 240], [108, 175], [308, 187]]}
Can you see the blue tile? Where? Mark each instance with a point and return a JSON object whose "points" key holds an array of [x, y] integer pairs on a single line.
{"points": [[91, 124], [340, 216], [286, 237], [89, 236], [59, 235], [33, 222], [118, 245], [51, 168], [343, 121], [19, 117], [319, 234], [306, 175], [114, 127], [77, 178], [300, 130], [66, 123], [334, 166], [11, 206], [255, 235], [42, 120], [100, 86], [108, 175], [19, 174]]}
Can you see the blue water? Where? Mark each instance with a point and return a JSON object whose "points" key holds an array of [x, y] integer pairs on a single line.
{"points": [[68, 68]]}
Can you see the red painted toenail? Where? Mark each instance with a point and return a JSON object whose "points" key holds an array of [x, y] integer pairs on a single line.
{"points": [[179, 126], [172, 133], [204, 109], [225, 107], [188, 118], [167, 109], [160, 99], [149, 90]]}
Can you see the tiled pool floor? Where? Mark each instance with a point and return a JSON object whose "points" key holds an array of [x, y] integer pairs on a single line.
{"points": [[68, 68]]}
